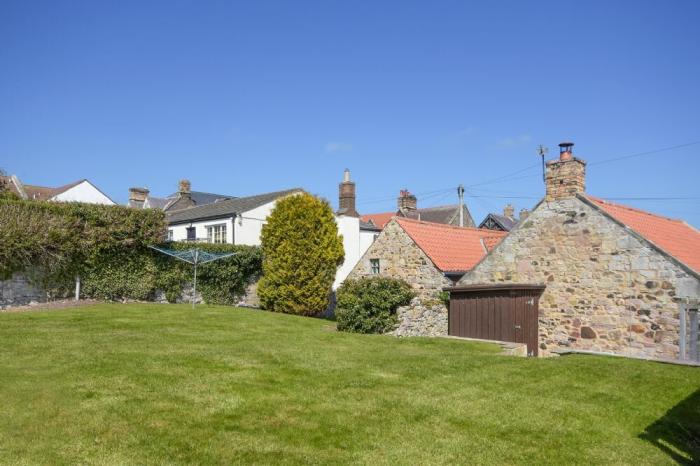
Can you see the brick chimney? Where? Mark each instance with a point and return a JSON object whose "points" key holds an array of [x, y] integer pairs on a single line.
{"points": [[565, 177], [138, 194], [508, 211], [184, 187], [346, 196], [407, 201]]}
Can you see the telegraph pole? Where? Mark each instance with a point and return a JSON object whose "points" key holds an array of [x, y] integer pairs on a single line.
{"points": [[460, 194], [542, 151]]}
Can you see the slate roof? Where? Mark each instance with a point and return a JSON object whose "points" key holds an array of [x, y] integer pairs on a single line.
{"points": [[201, 198], [369, 226], [506, 223], [226, 208], [452, 249], [675, 237], [447, 215]]}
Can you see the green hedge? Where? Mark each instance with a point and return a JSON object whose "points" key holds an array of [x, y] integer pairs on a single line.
{"points": [[368, 305], [107, 246]]}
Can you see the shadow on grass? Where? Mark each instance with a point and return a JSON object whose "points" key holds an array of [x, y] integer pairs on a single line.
{"points": [[677, 433]]}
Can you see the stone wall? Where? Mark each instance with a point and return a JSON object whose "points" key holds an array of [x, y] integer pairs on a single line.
{"points": [[424, 318], [607, 290], [19, 291], [400, 257]]}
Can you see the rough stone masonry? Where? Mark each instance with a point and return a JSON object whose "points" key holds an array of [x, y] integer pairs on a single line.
{"points": [[400, 257], [607, 289]]}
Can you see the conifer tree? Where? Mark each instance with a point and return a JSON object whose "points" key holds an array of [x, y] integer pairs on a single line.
{"points": [[302, 251]]}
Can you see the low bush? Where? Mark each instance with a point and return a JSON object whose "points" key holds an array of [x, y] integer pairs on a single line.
{"points": [[368, 305]]}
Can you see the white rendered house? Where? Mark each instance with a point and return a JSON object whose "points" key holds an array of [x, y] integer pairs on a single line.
{"points": [[78, 191], [234, 221], [239, 220]]}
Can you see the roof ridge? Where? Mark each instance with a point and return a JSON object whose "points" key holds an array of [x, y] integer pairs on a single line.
{"points": [[633, 209], [455, 227], [444, 206]]}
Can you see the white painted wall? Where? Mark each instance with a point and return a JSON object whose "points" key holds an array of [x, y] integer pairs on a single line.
{"points": [[180, 230], [366, 239], [249, 224], [83, 192]]}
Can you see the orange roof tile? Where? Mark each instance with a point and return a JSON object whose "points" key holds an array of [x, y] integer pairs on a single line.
{"points": [[379, 220], [674, 236], [451, 248]]}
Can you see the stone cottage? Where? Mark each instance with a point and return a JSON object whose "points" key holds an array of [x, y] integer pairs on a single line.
{"points": [[429, 256], [617, 279]]}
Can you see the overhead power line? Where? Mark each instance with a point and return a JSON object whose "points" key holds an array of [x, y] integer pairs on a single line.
{"points": [[639, 154]]}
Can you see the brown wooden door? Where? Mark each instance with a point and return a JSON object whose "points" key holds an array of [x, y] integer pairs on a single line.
{"points": [[500, 313]]}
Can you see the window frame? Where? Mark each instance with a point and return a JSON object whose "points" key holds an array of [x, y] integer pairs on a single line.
{"points": [[375, 267], [217, 233]]}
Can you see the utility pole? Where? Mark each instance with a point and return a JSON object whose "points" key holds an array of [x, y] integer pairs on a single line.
{"points": [[542, 151], [460, 194]]}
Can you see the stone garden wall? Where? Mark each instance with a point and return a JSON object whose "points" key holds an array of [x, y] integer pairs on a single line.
{"points": [[18, 291], [607, 290], [426, 318]]}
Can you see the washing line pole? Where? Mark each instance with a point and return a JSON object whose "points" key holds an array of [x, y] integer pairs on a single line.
{"points": [[194, 290], [194, 257]]}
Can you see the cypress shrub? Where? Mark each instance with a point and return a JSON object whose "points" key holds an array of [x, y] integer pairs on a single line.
{"points": [[301, 254]]}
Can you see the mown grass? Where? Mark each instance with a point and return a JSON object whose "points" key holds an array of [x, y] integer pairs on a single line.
{"points": [[160, 384]]}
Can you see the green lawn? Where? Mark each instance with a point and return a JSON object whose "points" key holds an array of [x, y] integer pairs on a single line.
{"points": [[161, 384]]}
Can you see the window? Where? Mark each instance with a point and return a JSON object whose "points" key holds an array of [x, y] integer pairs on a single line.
{"points": [[216, 233], [374, 265], [191, 234], [170, 234]]}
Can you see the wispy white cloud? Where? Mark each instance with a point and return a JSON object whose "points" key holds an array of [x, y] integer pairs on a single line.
{"points": [[514, 141], [334, 147]]}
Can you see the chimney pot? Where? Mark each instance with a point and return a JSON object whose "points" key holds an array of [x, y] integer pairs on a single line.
{"points": [[524, 213], [407, 201], [184, 186], [346, 196], [566, 151]]}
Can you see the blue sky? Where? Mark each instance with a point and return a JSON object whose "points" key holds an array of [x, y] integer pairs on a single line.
{"points": [[243, 98]]}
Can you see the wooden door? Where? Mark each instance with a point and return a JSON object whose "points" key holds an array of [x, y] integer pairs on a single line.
{"points": [[499, 313]]}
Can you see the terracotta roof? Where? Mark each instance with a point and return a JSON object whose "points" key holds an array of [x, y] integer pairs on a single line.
{"points": [[675, 237], [379, 220], [451, 248]]}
